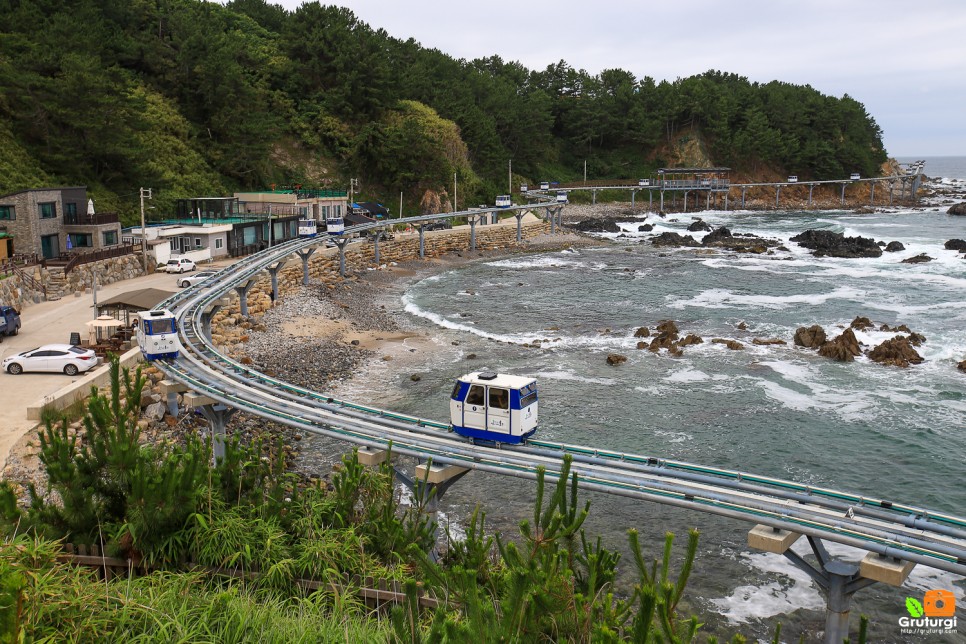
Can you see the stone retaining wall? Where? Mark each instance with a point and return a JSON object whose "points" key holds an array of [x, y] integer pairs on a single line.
{"points": [[14, 292], [324, 265], [81, 279]]}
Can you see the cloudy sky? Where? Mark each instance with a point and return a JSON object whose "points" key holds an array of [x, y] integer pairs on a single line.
{"points": [[905, 61]]}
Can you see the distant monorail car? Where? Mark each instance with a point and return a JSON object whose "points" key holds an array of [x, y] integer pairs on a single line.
{"points": [[158, 334], [524, 188], [494, 407], [545, 185], [562, 197], [308, 228], [793, 178], [644, 182], [855, 176], [334, 225], [503, 201]]}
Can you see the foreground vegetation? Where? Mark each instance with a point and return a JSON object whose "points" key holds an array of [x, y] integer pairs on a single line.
{"points": [[198, 99], [218, 553]]}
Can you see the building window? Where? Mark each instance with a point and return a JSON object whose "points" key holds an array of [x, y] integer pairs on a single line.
{"points": [[248, 235], [80, 240], [8, 213], [338, 211], [70, 209], [110, 237], [219, 242], [173, 243], [197, 242], [48, 210]]}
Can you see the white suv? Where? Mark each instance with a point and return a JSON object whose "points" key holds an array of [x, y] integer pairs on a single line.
{"points": [[179, 265]]}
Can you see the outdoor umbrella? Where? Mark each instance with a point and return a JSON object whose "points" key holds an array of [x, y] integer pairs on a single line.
{"points": [[103, 322], [90, 206]]}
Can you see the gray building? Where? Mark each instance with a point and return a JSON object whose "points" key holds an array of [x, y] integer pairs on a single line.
{"points": [[51, 221]]}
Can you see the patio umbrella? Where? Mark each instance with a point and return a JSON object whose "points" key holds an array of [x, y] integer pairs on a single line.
{"points": [[103, 322], [90, 206]]}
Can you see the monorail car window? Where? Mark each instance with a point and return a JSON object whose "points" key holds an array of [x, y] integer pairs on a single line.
{"points": [[499, 398], [162, 326], [528, 400], [476, 396], [456, 390]]}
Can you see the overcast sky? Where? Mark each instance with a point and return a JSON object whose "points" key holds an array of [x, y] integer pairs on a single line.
{"points": [[905, 61]]}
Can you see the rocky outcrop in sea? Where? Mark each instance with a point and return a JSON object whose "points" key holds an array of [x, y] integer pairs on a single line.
{"points": [[825, 243]]}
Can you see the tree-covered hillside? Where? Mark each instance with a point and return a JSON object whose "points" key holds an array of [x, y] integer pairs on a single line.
{"points": [[194, 98]]}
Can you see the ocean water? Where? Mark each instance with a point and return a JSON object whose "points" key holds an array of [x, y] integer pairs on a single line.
{"points": [[782, 411]]}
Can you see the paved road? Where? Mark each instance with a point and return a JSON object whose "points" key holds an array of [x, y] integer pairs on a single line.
{"points": [[46, 323]]}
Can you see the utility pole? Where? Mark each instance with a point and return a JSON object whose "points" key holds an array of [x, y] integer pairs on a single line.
{"points": [[269, 225], [353, 186], [509, 180], [585, 172], [455, 208], [400, 204], [145, 194]]}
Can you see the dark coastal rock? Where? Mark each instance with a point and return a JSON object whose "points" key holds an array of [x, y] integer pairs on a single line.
{"points": [[690, 339], [642, 345], [599, 225], [699, 226], [922, 258], [668, 328], [958, 209], [742, 326], [916, 339], [894, 246], [810, 337], [896, 351], [864, 210], [616, 359], [880, 243], [895, 329], [862, 323], [767, 341], [956, 244], [415, 377], [962, 366], [674, 239], [718, 235], [666, 338], [645, 228], [642, 332], [825, 243], [843, 348], [734, 345]]}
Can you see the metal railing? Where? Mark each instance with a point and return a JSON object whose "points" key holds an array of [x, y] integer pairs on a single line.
{"points": [[99, 219], [94, 256]]}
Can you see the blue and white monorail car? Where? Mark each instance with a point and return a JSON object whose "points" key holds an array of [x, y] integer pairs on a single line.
{"points": [[494, 407], [503, 201], [308, 228], [158, 334], [334, 224]]}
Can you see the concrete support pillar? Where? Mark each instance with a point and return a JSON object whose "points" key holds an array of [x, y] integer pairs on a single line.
{"points": [[662, 200], [553, 220], [685, 201], [743, 190], [650, 200], [872, 193], [171, 389], [707, 205], [305, 255], [422, 242], [519, 217], [778, 192], [633, 192], [218, 415], [243, 296], [811, 188], [726, 201], [593, 197], [273, 271], [428, 486], [843, 193], [472, 233], [341, 243], [375, 246]]}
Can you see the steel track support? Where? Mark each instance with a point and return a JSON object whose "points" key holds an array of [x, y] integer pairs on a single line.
{"points": [[305, 255], [633, 192], [838, 580], [778, 192], [472, 233], [843, 193], [662, 200], [811, 188], [593, 198], [743, 190], [341, 243], [650, 200], [707, 205], [872, 193], [519, 217], [218, 415], [243, 296], [422, 242]]}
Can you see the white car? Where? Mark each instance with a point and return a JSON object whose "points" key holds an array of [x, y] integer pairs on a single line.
{"points": [[51, 357], [185, 282], [179, 265]]}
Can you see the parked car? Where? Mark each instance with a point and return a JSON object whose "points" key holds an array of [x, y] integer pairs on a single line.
{"points": [[179, 265], [439, 224], [52, 357], [185, 282], [9, 321]]}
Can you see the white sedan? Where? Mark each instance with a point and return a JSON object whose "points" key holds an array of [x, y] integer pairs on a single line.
{"points": [[64, 358], [185, 282]]}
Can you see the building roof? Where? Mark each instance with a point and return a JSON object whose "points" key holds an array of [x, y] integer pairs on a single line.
{"points": [[52, 188], [140, 300]]}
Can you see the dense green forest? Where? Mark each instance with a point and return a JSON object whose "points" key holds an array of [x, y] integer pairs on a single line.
{"points": [[193, 98]]}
